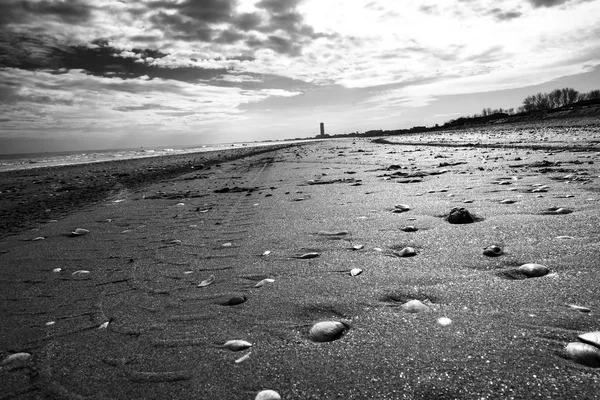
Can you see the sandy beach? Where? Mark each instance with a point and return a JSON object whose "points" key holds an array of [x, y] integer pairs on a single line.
{"points": [[207, 282]]}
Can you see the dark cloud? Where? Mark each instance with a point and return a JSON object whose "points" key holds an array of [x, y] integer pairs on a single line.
{"points": [[546, 3], [501, 15], [147, 106], [69, 11]]}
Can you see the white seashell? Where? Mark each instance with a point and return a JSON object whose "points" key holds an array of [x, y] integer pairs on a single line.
{"points": [[406, 252], [188, 272], [172, 241], [377, 249], [357, 247], [534, 270], [414, 306], [38, 238], [207, 282], [326, 331], [16, 357], [564, 237], [562, 210], [355, 271], [81, 272], [56, 270], [444, 321], [226, 245], [264, 282], [237, 345], [243, 358], [266, 253], [579, 308], [267, 395], [508, 201], [104, 325], [50, 323], [306, 256], [80, 232], [592, 338], [398, 208], [180, 204], [584, 354]]}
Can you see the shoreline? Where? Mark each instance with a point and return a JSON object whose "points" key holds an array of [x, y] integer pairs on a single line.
{"points": [[36, 195]]}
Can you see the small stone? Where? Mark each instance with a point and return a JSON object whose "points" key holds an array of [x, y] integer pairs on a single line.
{"points": [[267, 395], [414, 306], [459, 215], [409, 228], [327, 331], [592, 338], [584, 354], [534, 270], [492, 251], [444, 321]]}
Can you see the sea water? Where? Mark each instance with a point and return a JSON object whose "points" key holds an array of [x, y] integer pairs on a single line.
{"points": [[12, 162]]}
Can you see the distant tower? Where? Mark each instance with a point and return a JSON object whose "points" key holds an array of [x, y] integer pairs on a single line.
{"points": [[322, 129]]}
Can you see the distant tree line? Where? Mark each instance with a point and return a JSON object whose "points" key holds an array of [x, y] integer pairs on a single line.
{"points": [[556, 99]]}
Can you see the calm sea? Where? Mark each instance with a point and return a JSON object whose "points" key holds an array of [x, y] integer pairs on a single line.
{"points": [[11, 162]]}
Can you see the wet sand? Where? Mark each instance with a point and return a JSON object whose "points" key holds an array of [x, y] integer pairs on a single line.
{"points": [[124, 317]]}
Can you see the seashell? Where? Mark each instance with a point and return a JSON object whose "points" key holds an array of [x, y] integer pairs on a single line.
{"points": [[508, 201], [357, 247], [50, 323], [266, 253], [180, 204], [468, 201], [414, 306], [104, 325], [564, 237], [562, 210], [328, 233], [226, 245], [444, 321], [188, 272], [459, 215], [235, 300], [206, 282], [81, 272], [264, 282], [355, 271], [172, 241], [306, 256], [56, 270], [584, 354], [409, 228], [16, 357], [592, 338], [534, 270], [377, 249], [38, 238], [80, 232], [492, 251], [399, 208], [406, 252], [243, 358], [267, 395], [237, 345], [327, 331], [579, 308]]}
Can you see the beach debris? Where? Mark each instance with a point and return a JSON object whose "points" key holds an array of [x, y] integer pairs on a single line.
{"points": [[264, 282], [460, 215], [266, 253], [236, 345], [533, 270], [584, 353], [81, 272], [235, 300], [355, 271], [327, 331], [307, 256], [206, 282], [35, 239], [409, 228], [358, 247], [414, 306], [243, 358], [492, 251], [400, 208], [557, 211], [405, 252], [16, 357], [179, 204], [592, 338], [80, 232], [57, 270], [444, 321], [564, 237], [267, 395], [579, 308], [104, 325], [227, 244]]}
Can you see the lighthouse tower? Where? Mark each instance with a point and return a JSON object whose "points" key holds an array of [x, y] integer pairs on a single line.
{"points": [[322, 130]]}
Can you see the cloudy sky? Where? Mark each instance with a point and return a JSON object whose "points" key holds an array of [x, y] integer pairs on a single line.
{"points": [[77, 74]]}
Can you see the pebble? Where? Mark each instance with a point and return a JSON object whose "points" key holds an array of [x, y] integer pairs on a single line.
{"points": [[459, 215], [358, 247], [534, 270], [592, 338], [267, 395], [328, 233], [235, 300], [444, 321], [414, 306], [409, 228], [355, 271], [508, 201], [492, 251], [306, 256], [264, 282], [16, 357], [399, 208], [327, 331], [579, 308]]}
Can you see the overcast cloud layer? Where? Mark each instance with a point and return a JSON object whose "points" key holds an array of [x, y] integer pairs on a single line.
{"points": [[107, 73]]}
